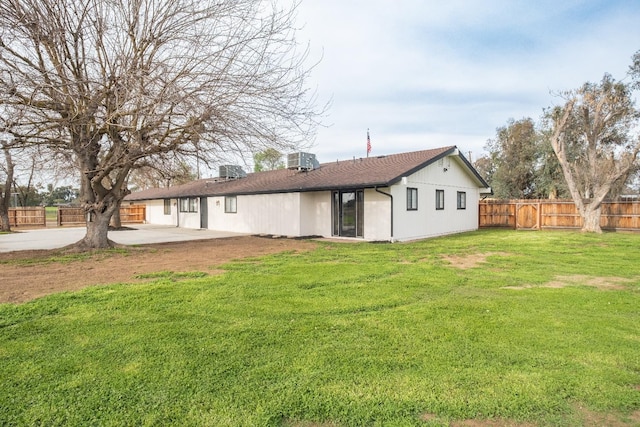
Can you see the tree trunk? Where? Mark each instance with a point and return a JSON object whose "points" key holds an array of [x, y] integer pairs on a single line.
{"points": [[97, 231], [591, 219], [116, 222], [5, 196], [5, 225]]}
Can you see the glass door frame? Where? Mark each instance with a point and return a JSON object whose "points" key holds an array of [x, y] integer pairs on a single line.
{"points": [[347, 213]]}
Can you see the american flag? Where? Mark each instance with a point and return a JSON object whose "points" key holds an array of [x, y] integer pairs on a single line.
{"points": [[368, 143]]}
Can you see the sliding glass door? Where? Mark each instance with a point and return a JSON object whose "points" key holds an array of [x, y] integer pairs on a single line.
{"points": [[348, 213]]}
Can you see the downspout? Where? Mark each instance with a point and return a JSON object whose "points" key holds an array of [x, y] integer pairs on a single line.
{"points": [[177, 213], [391, 197]]}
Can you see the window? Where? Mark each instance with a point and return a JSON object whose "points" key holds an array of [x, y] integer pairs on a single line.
{"points": [[439, 199], [230, 204], [462, 200], [412, 199], [193, 204], [167, 206], [184, 205], [189, 204]]}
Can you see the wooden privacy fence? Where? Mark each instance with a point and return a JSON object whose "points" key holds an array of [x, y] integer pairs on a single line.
{"points": [[36, 216], [550, 214], [71, 216], [31, 216], [132, 214]]}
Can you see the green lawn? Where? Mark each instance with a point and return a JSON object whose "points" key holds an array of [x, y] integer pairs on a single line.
{"points": [[545, 332], [51, 213]]}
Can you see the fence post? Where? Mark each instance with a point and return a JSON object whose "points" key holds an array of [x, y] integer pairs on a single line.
{"points": [[540, 202]]}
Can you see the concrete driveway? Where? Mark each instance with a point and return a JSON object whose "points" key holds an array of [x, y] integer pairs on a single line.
{"points": [[52, 238]]}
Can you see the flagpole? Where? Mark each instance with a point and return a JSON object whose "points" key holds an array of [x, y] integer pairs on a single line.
{"points": [[368, 143]]}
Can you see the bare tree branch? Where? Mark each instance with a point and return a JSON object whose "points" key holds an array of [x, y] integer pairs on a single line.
{"points": [[119, 83]]}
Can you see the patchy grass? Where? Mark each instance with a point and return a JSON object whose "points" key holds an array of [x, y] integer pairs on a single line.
{"points": [[63, 256], [345, 335], [173, 276]]}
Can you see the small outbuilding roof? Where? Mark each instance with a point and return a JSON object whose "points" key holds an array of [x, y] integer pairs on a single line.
{"points": [[370, 172]]}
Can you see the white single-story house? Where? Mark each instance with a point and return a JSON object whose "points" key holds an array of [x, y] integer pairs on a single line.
{"points": [[397, 197]]}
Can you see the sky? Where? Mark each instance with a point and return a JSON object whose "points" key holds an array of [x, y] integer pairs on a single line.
{"points": [[423, 74]]}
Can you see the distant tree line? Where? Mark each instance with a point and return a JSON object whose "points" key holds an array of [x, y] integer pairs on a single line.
{"points": [[23, 195]]}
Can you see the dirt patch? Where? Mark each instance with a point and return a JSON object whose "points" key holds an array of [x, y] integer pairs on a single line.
{"points": [[469, 261], [24, 282], [490, 423], [581, 416], [609, 283], [603, 283], [497, 422], [289, 423], [590, 418]]}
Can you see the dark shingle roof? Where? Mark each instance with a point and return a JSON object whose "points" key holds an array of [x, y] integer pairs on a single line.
{"points": [[380, 171]]}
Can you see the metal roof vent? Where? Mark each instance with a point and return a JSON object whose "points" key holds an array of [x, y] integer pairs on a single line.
{"points": [[302, 161], [231, 172]]}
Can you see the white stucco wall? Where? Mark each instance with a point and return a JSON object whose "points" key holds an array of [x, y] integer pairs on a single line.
{"points": [[190, 219], [427, 221], [377, 215], [296, 214], [155, 212], [315, 213], [316, 217], [258, 214], [310, 213]]}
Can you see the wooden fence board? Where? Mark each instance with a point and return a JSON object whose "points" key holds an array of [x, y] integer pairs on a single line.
{"points": [[35, 216], [520, 214], [71, 216], [497, 214], [131, 214], [31, 216]]}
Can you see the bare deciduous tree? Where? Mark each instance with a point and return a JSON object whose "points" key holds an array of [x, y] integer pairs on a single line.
{"points": [[5, 191], [595, 144], [162, 175], [125, 83]]}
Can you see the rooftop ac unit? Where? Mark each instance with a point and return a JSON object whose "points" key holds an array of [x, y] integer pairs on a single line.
{"points": [[231, 172], [302, 161]]}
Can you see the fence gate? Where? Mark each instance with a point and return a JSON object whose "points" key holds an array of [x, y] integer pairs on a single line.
{"points": [[528, 216]]}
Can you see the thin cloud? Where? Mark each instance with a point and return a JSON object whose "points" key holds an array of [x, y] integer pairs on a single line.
{"points": [[424, 74]]}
